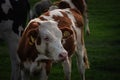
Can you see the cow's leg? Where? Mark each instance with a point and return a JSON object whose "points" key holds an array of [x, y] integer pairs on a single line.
{"points": [[25, 75], [86, 20], [80, 61], [67, 68], [80, 50], [43, 75], [12, 40]]}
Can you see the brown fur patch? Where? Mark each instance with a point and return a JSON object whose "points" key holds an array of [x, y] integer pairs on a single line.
{"points": [[63, 21], [78, 17], [48, 66], [25, 50]]}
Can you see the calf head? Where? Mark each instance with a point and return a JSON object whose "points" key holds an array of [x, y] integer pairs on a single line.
{"points": [[41, 40], [51, 37]]}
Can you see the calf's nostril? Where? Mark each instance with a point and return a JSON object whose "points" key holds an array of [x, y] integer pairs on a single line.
{"points": [[63, 55]]}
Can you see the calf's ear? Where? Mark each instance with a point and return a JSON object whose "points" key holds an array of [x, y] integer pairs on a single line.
{"points": [[32, 33], [66, 32], [28, 40], [32, 37]]}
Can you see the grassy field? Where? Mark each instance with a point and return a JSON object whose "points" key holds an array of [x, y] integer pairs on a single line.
{"points": [[103, 45]]}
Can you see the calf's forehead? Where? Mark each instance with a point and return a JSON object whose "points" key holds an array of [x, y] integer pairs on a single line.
{"points": [[50, 28]]}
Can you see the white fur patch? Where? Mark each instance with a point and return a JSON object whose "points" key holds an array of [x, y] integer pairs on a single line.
{"points": [[32, 66], [27, 65], [35, 66], [55, 12], [70, 3], [41, 57], [53, 8], [6, 6]]}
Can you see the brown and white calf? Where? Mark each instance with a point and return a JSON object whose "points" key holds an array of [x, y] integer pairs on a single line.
{"points": [[54, 36], [13, 16]]}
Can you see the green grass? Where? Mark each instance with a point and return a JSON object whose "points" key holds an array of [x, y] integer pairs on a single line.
{"points": [[103, 45]]}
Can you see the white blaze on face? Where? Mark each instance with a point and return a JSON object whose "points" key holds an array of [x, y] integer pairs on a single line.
{"points": [[51, 37]]}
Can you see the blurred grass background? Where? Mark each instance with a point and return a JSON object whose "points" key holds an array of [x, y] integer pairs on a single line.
{"points": [[103, 45]]}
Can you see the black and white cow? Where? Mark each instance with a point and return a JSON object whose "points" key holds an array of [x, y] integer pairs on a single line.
{"points": [[13, 15]]}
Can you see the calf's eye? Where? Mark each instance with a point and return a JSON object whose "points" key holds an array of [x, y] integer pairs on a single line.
{"points": [[46, 39]]}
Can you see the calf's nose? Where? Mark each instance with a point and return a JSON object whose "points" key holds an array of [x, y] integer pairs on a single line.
{"points": [[63, 55]]}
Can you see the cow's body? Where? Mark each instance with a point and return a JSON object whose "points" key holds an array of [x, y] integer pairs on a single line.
{"points": [[44, 5], [33, 51], [13, 15], [79, 5]]}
